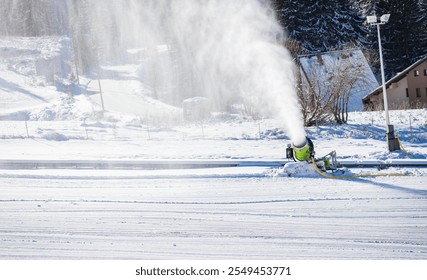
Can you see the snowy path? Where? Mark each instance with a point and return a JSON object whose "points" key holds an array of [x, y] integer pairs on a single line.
{"points": [[239, 213]]}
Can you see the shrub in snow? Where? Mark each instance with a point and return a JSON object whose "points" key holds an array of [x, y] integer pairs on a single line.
{"points": [[54, 136]]}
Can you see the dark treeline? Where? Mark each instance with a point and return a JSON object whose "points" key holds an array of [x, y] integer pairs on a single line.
{"points": [[33, 17], [318, 26]]}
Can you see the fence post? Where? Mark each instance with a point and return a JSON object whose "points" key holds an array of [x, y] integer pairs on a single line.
{"points": [[100, 92], [148, 127], [85, 125], [26, 128], [148, 132], [203, 131]]}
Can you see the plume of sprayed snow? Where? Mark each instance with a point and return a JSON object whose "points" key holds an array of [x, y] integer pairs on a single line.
{"points": [[224, 50]]}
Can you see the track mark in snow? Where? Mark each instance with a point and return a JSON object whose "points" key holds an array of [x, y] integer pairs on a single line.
{"points": [[212, 202]]}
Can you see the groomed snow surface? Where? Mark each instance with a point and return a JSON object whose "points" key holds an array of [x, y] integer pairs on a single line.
{"points": [[211, 216], [256, 212], [217, 213]]}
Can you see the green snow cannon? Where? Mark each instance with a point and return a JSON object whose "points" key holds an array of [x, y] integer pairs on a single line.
{"points": [[304, 152]]}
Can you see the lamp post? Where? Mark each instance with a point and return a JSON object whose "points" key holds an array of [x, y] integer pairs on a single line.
{"points": [[393, 143]]}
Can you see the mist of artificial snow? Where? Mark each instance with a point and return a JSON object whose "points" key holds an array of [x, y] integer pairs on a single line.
{"points": [[228, 51]]}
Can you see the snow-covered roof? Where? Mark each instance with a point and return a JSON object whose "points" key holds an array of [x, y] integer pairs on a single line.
{"points": [[322, 68]]}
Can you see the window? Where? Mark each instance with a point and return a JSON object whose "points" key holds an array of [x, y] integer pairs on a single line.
{"points": [[416, 73], [407, 92], [425, 72], [426, 91], [418, 91]]}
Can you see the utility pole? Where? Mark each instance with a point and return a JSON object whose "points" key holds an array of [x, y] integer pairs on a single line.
{"points": [[392, 141]]}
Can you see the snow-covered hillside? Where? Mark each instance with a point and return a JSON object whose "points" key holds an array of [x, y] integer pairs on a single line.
{"points": [[256, 212], [37, 83], [22, 89]]}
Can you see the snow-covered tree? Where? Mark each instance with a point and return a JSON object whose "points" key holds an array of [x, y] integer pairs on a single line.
{"points": [[422, 45], [321, 25], [32, 17], [403, 37]]}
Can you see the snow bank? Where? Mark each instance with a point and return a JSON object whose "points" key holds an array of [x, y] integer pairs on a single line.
{"points": [[299, 169]]}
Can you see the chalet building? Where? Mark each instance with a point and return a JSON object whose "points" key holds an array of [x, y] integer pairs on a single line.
{"points": [[407, 90]]}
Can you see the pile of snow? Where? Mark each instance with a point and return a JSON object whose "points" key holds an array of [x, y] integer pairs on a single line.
{"points": [[299, 169]]}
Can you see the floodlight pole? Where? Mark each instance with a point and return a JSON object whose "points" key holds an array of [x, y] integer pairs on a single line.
{"points": [[392, 141], [387, 118]]}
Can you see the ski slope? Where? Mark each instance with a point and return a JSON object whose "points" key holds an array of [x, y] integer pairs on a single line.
{"points": [[238, 212], [245, 212], [232, 213]]}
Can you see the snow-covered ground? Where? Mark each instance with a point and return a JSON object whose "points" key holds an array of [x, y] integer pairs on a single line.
{"points": [[216, 213], [219, 213]]}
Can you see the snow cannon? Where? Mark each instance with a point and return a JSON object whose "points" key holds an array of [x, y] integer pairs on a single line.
{"points": [[305, 153], [301, 152]]}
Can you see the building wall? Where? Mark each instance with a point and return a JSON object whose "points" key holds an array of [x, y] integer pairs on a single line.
{"points": [[403, 94], [418, 82], [396, 94]]}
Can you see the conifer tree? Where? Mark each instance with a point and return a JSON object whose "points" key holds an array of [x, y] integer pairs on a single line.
{"points": [[32, 17], [321, 25], [403, 37], [422, 45]]}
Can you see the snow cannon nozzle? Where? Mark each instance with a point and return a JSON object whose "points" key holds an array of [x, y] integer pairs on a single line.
{"points": [[302, 152]]}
